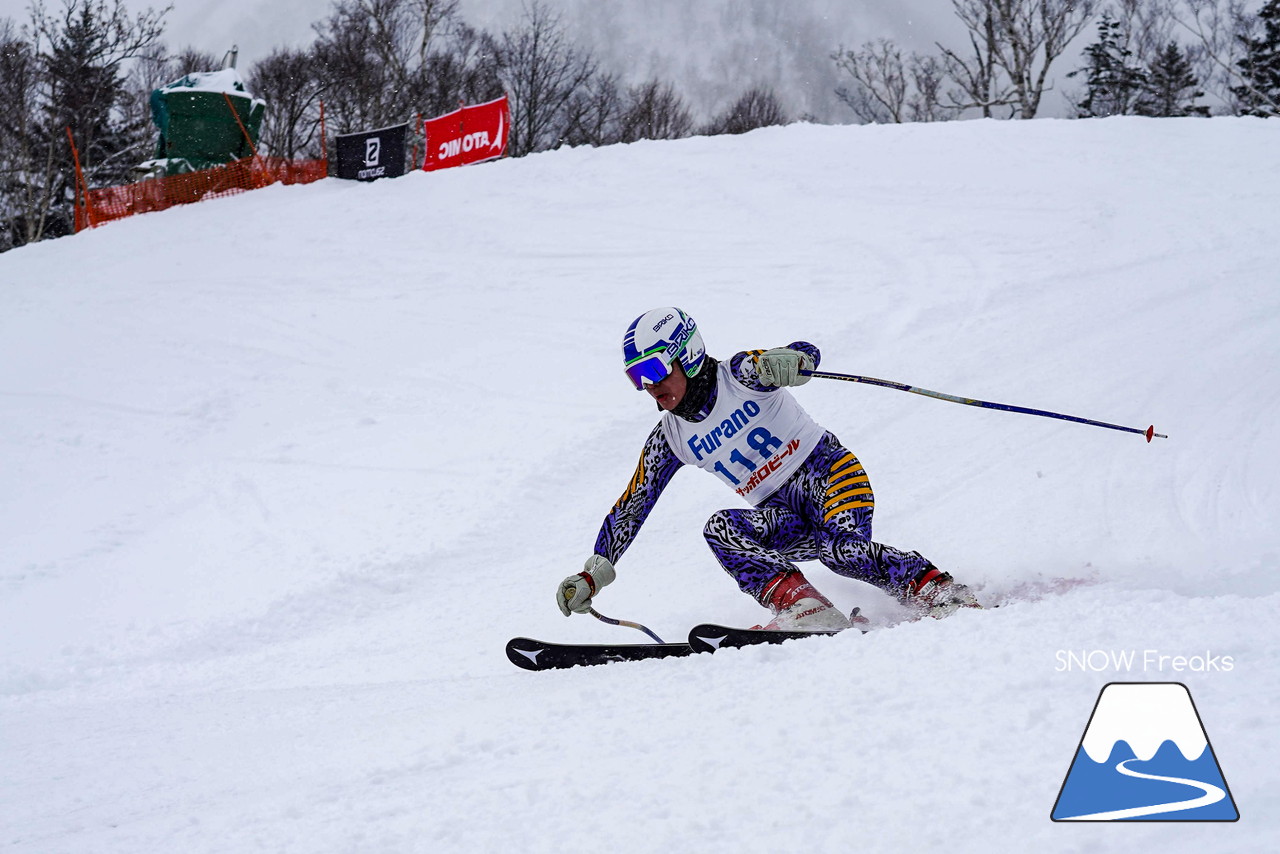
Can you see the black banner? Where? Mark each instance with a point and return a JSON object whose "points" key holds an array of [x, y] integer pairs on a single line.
{"points": [[372, 154]]}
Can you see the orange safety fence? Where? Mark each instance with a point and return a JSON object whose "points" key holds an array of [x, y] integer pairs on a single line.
{"points": [[156, 194]]}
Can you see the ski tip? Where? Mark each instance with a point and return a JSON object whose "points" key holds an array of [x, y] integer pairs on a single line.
{"points": [[524, 652]]}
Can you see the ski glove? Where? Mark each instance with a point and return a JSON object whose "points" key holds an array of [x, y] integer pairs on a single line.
{"points": [[782, 365], [575, 592]]}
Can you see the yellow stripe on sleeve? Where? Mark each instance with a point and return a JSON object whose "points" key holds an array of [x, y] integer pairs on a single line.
{"points": [[838, 463], [851, 479], [845, 496], [841, 507], [636, 480]]}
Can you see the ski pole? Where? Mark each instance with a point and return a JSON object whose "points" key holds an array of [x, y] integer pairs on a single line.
{"points": [[611, 621], [568, 594], [1150, 432]]}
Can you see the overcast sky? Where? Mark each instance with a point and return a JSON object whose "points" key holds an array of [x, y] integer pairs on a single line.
{"points": [[711, 49]]}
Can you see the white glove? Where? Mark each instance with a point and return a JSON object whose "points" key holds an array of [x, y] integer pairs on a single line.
{"points": [[575, 592], [782, 365]]}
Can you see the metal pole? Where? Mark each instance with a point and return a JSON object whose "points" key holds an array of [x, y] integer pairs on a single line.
{"points": [[1149, 433]]}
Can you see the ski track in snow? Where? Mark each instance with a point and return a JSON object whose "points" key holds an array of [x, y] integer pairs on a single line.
{"points": [[285, 471], [1210, 794]]}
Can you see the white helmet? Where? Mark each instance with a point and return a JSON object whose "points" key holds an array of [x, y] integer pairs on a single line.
{"points": [[657, 338]]}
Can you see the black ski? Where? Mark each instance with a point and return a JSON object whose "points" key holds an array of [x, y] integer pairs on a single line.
{"points": [[533, 654], [709, 637]]}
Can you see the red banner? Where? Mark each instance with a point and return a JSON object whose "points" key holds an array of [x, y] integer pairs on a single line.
{"points": [[468, 135]]}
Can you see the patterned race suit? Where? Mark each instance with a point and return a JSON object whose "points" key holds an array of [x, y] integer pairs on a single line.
{"points": [[822, 512]]}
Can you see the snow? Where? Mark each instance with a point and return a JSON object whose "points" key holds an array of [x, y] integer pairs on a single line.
{"points": [[284, 471], [224, 82]]}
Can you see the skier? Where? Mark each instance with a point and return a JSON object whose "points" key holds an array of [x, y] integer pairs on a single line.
{"points": [[811, 497]]}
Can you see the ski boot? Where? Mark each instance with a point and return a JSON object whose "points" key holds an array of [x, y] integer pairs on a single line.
{"points": [[934, 593], [798, 606]]}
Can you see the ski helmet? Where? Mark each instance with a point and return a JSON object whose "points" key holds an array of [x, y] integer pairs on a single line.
{"points": [[657, 338]]}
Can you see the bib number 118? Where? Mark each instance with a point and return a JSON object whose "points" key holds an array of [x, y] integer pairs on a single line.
{"points": [[762, 442]]}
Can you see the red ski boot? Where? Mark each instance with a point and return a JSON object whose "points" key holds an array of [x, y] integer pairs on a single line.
{"points": [[936, 594], [798, 606]]}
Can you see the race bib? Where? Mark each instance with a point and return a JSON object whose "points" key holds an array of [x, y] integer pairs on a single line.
{"points": [[752, 440]]}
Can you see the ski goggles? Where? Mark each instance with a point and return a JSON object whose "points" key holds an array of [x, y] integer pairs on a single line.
{"points": [[650, 368]]}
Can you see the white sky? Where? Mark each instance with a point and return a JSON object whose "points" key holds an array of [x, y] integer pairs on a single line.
{"points": [[712, 50]]}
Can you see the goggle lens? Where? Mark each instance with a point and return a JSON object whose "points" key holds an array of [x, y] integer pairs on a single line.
{"points": [[651, 369]]}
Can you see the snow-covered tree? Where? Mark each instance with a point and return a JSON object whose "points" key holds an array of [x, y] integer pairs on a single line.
{"points": [[1259, 68], [1171, 87], [85, 48], [1114, 81], [67, 70]]}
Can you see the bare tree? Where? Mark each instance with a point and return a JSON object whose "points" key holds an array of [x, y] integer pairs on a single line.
{"points": [[383, 62], [25, 188], [880, 93], [463, 67], [593, 115], [890, 89], [979, 83], [542, 70], [654, 110], [290, 82], [1148, 27], [757, 107], [928, 75], [191, 60], [432, 16], [1023, 38], [362, 52]]}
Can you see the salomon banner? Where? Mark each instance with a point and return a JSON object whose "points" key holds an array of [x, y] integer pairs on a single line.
{"points": [[467, 135], [372, 154]]}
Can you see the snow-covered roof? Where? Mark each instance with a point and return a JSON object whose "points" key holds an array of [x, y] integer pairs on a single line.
{"points": [[227, 80]]}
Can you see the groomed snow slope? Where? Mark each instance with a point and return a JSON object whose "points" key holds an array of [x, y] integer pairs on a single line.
{"points": [[283, 472]]}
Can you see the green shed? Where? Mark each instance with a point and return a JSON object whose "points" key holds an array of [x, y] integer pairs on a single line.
{"points": [[197, 127]]}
